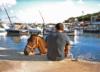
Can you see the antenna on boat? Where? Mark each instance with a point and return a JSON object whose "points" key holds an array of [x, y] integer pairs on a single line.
{"points": [[43, 21]]}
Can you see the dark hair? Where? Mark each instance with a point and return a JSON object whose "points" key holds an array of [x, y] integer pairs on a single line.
{"points": [[59, 26]]}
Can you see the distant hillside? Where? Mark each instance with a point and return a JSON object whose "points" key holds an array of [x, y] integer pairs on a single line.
{"points": [[86, 17]]}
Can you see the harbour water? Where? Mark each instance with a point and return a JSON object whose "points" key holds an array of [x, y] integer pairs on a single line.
{"points": [[85, 46]]}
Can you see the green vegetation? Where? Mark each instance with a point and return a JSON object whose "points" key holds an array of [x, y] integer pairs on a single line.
{"points": [[86, 17]]}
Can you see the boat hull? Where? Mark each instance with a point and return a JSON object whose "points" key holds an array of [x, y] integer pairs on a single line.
{"points": [[91, 31], [13, 32]]}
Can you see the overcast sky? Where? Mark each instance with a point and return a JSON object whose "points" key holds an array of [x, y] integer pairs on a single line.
{"points": [[51, 10]]}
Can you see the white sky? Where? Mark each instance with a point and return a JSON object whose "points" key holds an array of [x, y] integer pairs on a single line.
{"points": [[52, 12]]}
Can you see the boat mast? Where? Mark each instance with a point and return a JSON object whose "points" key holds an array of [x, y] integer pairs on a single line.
{"points": [[8, 17], [43, 22]]}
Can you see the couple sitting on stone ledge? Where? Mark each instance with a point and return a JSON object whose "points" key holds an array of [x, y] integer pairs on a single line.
{"points": [[55, 46]]}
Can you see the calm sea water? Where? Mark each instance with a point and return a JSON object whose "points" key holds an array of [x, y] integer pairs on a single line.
{"points": [[86, 46]]}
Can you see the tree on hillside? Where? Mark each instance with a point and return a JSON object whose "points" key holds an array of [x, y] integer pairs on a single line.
{"points": [[70, 20], [84, 18]]}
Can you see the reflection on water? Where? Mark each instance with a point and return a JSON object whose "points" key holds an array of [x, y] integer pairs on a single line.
{"points": [[86, 46], [16, 39], [15, 42], [76, 39]]}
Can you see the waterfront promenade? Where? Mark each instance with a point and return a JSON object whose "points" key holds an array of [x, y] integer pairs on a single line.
{"points": [[13, 61]]}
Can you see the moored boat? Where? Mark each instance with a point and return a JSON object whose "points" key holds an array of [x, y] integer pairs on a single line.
{"points": [[91, 31], [3, 31], [12, 32]]}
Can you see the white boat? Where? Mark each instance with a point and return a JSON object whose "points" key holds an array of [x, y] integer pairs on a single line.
{"points": [[2, 31], [35, 30], [49, 28]]}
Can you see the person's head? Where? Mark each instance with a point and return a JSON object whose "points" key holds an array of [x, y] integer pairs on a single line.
{"points": [[59, 26]]}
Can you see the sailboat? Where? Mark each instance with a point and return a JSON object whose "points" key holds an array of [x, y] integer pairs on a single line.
{"points": [[11, 30]]}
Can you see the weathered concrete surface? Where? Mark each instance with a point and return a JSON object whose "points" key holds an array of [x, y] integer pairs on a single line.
{"points": [[48, 66], [13, 61]]}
